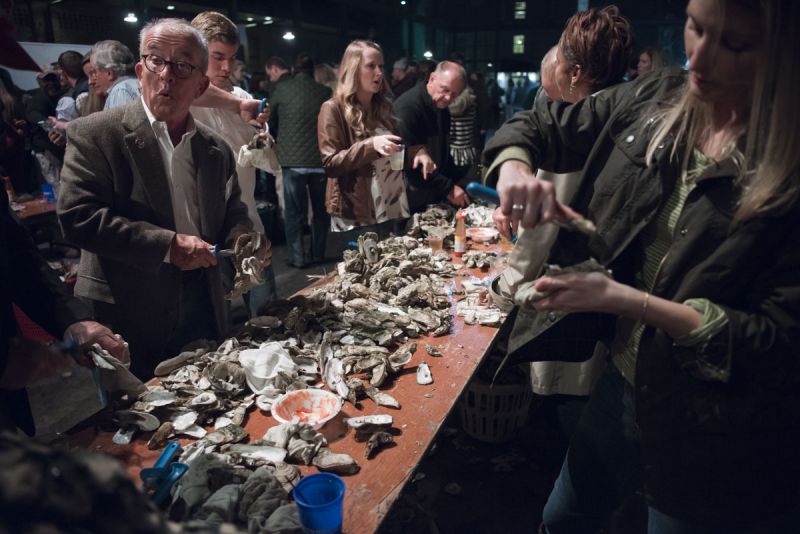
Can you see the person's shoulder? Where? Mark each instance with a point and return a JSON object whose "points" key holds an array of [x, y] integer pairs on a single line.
{"points": [[658, 82], [330, 107], [101, 121], [405, 100]]}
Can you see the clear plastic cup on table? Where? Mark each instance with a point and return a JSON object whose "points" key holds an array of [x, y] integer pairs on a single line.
{"points": [[436, 238]]}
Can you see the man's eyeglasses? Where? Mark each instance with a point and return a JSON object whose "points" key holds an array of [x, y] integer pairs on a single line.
{"points": [[156, 64]]}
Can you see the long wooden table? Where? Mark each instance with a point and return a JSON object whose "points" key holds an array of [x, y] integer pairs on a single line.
{"points": [[36, 210], [371, 492]]}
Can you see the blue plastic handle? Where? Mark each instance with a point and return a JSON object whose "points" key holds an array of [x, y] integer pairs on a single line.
{"points": [[168, 455], [262, 105], [176, 471], [481, 192]]}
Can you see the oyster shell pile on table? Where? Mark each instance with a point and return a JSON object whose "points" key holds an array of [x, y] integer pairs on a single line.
{"points": [[351, 335]]}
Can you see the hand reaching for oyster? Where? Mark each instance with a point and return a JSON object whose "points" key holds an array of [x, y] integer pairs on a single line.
{"points": [[87, 333], [528, 201]]}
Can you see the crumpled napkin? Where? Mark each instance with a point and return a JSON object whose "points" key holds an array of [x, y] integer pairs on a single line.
{"points": [[259, 153], [263, 366]]}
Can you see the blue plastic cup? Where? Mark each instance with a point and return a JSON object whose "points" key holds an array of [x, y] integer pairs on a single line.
{"points": [[319, 500]]}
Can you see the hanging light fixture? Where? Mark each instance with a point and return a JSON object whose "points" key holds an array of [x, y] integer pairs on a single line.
{"points": [[131, 18], [289, 36]]}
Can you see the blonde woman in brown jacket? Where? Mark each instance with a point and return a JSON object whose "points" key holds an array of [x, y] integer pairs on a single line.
{"points": [[354, 130]]}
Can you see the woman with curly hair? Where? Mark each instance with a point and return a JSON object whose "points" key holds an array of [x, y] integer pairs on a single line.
{"points": [[692, 179], [355, 136]]}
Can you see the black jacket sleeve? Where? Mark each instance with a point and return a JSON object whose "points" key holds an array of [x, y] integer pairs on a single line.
{"points": [[31, 284]]}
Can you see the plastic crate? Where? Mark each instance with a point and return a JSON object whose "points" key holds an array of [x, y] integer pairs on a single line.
{"points": [[494, 413]]}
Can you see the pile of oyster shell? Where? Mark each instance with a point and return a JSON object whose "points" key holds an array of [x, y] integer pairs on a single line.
{"points": [[351, 335]]}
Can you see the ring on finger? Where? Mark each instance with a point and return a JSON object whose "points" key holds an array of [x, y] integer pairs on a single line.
{"points": [[518, 207]]}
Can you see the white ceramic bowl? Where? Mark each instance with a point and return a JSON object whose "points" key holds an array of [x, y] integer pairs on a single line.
{"points": [[482, 235], [313, 406]]}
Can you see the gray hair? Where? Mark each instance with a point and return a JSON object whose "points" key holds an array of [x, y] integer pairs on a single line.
{"points": [[176, 27], [114, 56], [549, 63], [450, 66]]}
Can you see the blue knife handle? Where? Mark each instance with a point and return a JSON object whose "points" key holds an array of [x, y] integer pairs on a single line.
{"points": [[481, 192], [168, 455]]}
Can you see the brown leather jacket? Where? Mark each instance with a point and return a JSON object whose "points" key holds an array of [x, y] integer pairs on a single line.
{"points": [[348, 164]]}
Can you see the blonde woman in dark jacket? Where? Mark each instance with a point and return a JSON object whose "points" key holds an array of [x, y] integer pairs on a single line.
{"points": [[693, 183], [355, 136]]}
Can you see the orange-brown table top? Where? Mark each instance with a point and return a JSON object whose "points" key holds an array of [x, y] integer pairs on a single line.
{"points": [[372, 491]]}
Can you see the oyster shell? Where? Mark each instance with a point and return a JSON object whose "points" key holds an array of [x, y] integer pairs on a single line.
{"points": [[377, 441], [424, 376], [341, 464]]}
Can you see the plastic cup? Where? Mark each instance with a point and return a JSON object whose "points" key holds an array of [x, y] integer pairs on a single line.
{"points": [[319, 500], [48, 192], [396, 159], [436, 239]]}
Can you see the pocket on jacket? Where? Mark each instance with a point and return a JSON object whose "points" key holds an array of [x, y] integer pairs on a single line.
{"points": [[93, 288]]}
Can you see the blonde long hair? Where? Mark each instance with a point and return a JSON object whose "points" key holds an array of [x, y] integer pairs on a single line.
{"points": [[770, 165], [355, 114]]}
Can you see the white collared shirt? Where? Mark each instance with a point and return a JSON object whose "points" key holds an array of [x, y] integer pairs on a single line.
{"points": [[180, 168]]}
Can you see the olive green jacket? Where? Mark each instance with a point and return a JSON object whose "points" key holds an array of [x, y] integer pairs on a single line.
{"points": [[715, 453]]}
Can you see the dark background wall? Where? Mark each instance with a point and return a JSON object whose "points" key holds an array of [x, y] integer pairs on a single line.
{"points": [[483, 30]]}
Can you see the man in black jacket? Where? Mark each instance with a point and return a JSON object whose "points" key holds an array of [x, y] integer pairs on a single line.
{"points": [[28, 282], [424, 125]]}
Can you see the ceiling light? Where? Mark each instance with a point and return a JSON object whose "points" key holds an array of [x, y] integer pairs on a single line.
{"points": [[251, 25], [402, 2], [249, 19], [170, 8], [289, 36], [489, 65], [267, 19], [131, 18], [428, 54]]}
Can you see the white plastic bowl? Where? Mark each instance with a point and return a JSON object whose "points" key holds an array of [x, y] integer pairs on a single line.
{"points": [[313, 406], [482, 235]]}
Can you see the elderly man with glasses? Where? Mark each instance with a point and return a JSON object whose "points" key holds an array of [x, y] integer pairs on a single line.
{"points": [[146, 193]]}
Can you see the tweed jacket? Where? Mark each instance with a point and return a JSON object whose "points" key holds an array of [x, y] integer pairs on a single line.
{"points": [[719, 448], [115, 204]]}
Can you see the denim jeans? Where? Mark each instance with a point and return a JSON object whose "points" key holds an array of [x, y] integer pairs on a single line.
{"points": [[297, 188], [603, 465], [261, 294]]}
